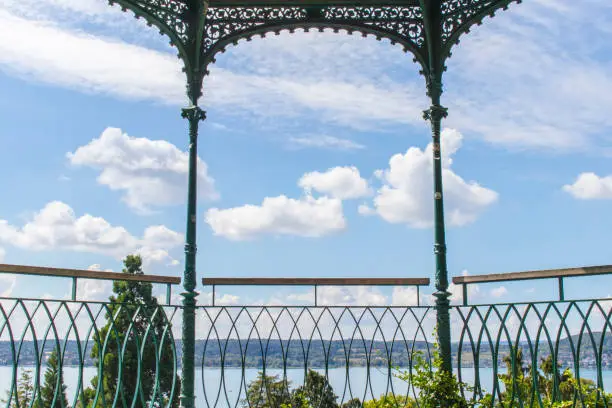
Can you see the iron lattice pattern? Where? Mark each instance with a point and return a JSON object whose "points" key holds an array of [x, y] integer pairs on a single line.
{"points": [[538, 354], [459, 15], [167, 15], [356, 349], [520, 354], [130, 347], [225, 25]]}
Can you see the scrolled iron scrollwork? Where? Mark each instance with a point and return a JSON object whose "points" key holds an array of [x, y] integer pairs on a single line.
{"points": [[459, 15], [167, 15], [405, 22], [226, 25], [225, 22]]}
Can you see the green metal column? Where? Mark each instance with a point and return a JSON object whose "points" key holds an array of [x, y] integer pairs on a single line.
{"points": [[194, 115], [195, 16], [435, 115], [432, 15]]}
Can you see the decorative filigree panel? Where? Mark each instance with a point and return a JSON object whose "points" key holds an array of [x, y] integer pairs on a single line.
{"points": [[225, 25], [167, 15], [459, 15]]}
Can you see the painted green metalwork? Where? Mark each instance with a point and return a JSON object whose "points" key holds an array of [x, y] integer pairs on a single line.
{"points": [[517, 354], [32, 329], [199, 29]]}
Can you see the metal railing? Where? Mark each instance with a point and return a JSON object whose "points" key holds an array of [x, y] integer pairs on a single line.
{"points": [[113, 354], [558, 274], [118, 354], [75, 274], [316, 283]]}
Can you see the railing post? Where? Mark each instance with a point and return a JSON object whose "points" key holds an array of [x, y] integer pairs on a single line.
{"points": [[561, 291], [168, 293], [465, 294], [74, 288], [194, 115]]}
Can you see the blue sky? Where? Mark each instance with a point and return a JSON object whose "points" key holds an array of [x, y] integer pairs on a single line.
{"points": [[314, 156]]}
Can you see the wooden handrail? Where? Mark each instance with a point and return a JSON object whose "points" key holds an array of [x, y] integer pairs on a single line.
{"points": [[85, 274], [530, 275], [316, 281], [559, 274]]}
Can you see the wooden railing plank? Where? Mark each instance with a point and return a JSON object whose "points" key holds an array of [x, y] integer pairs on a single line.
{"points": [[85, 274], [538, 274], [316, 281]]}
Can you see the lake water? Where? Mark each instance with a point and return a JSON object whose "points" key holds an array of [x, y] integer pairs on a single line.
{"points": [[220, 387]]}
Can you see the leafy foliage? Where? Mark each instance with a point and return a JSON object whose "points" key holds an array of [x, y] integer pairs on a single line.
{"points": [[272, 392], [24, 392], [437, 387], [267, 392], [54, 381], [555, 388], [127, 346]]}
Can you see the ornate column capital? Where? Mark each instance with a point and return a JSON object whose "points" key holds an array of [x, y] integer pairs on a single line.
{"points": [[435, 113], [193, 113]]}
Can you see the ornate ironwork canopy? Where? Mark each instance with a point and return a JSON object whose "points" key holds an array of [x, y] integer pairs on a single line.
{"points": [[200, 29]]}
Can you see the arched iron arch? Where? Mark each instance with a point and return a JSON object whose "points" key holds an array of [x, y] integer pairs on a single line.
{"points": [[209, 56], [458, 17], [169, 21]]}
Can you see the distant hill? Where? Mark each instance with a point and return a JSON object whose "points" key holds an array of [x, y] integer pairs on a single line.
{"points": [[232, 352]]}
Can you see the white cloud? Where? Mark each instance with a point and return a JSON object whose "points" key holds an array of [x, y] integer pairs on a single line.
{"points": [[499, 292], [2, 254], [589, 186], [365, 209], [91, 63], [93, 289], [344, 183], [7, 285], [324, 142], [306, 217], [525, 105], [404, 296], [56, 227], [85, 62], [150, 172], [225, 299], [407, 193], [336, 296]]}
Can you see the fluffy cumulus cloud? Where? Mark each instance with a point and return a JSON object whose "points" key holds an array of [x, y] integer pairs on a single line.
{"points": [[306, 217], [56, 227], [406, 194], [590, 186], [150, 172], [94, 289], [344, 183], [404, 296], [2, 254]]}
